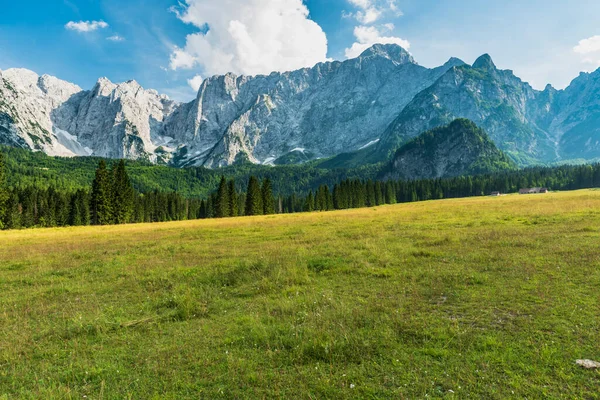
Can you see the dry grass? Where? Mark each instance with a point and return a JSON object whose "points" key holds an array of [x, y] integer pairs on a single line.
{"points": [[481, 297]]}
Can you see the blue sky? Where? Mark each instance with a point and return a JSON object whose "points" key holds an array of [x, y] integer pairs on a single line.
{"points": [[165, 44]]}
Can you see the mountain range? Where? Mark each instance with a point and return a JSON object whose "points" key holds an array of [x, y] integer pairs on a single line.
{"points": [[371, 104]]}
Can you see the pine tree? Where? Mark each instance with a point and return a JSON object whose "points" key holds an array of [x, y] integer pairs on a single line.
{"points": [[378, 194], [202, 212], [101, 201], [267, 197], [222, 206], [79, 213], [3, 191], [233, 199], [254, 204], [12, 217], [371, 195], [309, 204], [122, 194], [390, 193]]}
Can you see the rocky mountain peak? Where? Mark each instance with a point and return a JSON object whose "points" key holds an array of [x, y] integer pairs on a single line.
{"points": [[484, 62], [454, 62], [391, 52], [104, 87]]}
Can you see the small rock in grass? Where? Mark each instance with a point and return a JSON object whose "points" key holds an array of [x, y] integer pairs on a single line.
{"points": [[588, 364]]}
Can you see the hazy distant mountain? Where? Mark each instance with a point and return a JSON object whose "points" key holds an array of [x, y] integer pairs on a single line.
{"points": [[460, 148], [373, 103]]}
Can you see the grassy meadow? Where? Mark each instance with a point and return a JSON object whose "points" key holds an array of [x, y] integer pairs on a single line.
{"points": [[489, 298]]}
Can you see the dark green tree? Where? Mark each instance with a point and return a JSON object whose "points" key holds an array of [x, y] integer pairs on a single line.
{"points": [[12, 217], [267, 197], [390, 193], [222, 206], [254, 204], [122, 194], [233, 199], [3, 191], [309, 204], [101, 200], [79, 212]]}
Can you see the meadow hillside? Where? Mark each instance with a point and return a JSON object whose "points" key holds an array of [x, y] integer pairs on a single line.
{"points": [[483, 297]]}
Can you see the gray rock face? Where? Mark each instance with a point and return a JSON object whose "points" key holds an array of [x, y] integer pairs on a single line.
{"points": [[118, 121], [325, 110], [498, 101], [332, 108], [26, 104], [529, 125], [577, 123], [322, 111], [54, 116]]}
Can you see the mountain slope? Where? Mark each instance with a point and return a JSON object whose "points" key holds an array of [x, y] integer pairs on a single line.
{"points": [[578, 119], [325, 110], [460, 148], [347, 113], [506, 107], [26, 104]]}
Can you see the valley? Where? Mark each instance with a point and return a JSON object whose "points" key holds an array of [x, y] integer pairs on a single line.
{"points": [[481, 297]]}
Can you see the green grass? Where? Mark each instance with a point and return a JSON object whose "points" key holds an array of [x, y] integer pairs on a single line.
{"points": [[489, 298]]}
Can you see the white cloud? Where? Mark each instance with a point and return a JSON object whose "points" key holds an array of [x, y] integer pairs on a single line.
{"points": [[589, 50], [86, 26], [195, 82], [249, 37], [367, 36], [587, 46], [371, 11], [369, 15], [115, 38]]}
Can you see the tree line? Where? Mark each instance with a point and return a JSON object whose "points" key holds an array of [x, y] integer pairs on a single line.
{"points": [[111, 199]]}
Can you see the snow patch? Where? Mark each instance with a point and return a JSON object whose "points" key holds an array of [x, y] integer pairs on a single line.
{"points": [[371, 143], [269, 161]]}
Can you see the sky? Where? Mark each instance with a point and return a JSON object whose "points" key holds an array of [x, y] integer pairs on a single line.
{"points": [[172, 45]]}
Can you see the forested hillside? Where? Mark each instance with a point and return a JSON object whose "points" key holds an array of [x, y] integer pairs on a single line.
{"points": [[111, 198], [25, 169]]}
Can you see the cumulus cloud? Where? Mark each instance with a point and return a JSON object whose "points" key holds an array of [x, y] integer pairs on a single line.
{"points": [[115, 38], [367, 36], [86, 26], [589, 50], [249, 37], [589, 45], [196, 82], [370, 11]]}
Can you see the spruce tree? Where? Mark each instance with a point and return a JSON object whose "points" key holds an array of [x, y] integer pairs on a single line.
{"points": [[233, 199], [309, 204], [222, 206], [12, 218], [390, 193], [3, 191], [379, 198], [123, 195], [254, 204], [267, 197], [202, 211], [101, 201], [371, 198]]}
